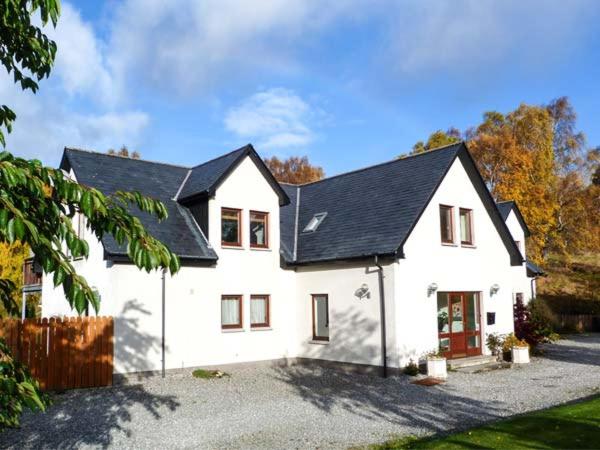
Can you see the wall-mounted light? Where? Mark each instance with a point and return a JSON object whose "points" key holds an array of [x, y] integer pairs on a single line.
{"points": [[431, 289], [494, 289], [362, 292]]}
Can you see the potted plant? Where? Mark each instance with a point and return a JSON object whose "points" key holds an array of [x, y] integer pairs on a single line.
{"points": [[495, 343], [518, 349], [436, 365]]}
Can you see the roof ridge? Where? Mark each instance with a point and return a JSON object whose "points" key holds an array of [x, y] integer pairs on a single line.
{"points": [[95, 152], [222, 156], [395, 160]]}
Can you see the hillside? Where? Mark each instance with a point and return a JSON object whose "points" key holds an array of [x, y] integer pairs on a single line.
{"points": [[572, 286]]}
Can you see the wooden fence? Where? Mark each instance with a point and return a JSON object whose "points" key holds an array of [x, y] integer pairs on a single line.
{"points": [[580, 322], [72, 352]]}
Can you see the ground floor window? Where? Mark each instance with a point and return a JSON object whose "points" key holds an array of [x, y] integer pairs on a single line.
{"points": [[231, 311], [259, 311], [320, 315]]}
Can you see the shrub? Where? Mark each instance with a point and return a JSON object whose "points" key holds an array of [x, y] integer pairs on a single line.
{"points": [[494, 342], [18, 389], [411, 368], [525, 328]]}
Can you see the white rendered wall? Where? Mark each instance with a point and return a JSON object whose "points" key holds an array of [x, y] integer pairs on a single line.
{"points": [[354, 324], [193, 296], [452, 268], [521, 283]]}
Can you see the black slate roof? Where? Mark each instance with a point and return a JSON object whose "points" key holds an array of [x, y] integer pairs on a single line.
{"points": [[533, 270], [372, 211], [204, 176], [161, 181], [506, 207], [204, 179]]}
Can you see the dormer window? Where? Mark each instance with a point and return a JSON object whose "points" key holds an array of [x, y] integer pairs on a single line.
{"points": [[259, 229], [314, 223], [466, 226], [231, 227], [447, 224]]}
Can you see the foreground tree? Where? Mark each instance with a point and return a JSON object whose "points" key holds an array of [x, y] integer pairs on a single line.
{"points": [[294, 170], [37, 203]]}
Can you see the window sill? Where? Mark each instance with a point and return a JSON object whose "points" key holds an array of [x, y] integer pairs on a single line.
{"points": [[261, 329], [468, 246], [260, 249], [449, 244], [232, 247], [232, 330], [318, 342]]}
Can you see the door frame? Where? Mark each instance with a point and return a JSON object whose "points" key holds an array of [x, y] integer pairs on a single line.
{"points": [[476, 351]]}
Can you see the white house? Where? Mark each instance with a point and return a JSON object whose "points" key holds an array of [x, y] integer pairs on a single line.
{"points": [[373, 267]]}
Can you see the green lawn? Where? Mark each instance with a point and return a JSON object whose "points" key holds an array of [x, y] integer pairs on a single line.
{"points": [[569, 426]]}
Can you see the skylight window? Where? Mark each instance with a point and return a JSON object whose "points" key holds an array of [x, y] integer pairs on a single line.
{"points": [[314, 223]]}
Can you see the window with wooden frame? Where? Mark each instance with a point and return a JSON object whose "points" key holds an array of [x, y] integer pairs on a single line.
{"points": [[466, 226], [231, 227], [231, 311], [259, 229], [320, 317], [260, 310], [447, 224]]}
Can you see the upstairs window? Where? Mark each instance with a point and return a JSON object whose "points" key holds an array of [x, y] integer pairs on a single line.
{"points": [[314, 223], [466, 226], [259, 229], [231, 227], [447, 224]]}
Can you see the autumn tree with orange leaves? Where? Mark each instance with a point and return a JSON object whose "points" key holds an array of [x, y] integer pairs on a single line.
{"points": [[536, 156], [294, 170]]}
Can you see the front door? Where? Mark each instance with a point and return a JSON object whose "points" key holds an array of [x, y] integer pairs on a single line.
{"points": [[459, 327]]}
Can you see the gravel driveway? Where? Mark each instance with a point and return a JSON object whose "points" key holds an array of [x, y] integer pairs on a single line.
{"points": [[301, 407]]}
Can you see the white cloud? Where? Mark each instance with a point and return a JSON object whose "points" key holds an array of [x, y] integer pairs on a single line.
{"points": [[54, 117], [190, 47], [466, 35], [80, 61], [193, 47], [276, 118], [44, 126]]}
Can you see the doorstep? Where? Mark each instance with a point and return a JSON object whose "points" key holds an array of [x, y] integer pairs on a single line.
{"points": [[479, 360]]}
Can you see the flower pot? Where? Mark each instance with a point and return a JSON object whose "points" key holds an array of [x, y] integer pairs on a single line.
{"points": [[436, 367], [520, 355]]}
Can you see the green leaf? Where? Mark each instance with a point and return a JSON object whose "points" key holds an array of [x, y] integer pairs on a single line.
{"points": [[10, 230], [3, 218]]}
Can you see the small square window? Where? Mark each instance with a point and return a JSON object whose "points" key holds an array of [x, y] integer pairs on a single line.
{"points": [[259, 229], [466, 226], [231, 311], [314, 223], [447, 224], [231, 227], [259, 311]]}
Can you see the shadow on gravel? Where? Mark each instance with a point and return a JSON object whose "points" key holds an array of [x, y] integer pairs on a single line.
{"points": [[90, 416], [85, 417], [394, 399], [569, 351]]}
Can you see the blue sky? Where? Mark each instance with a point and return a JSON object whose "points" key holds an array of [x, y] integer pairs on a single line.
{"points": [[346, 82]]}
